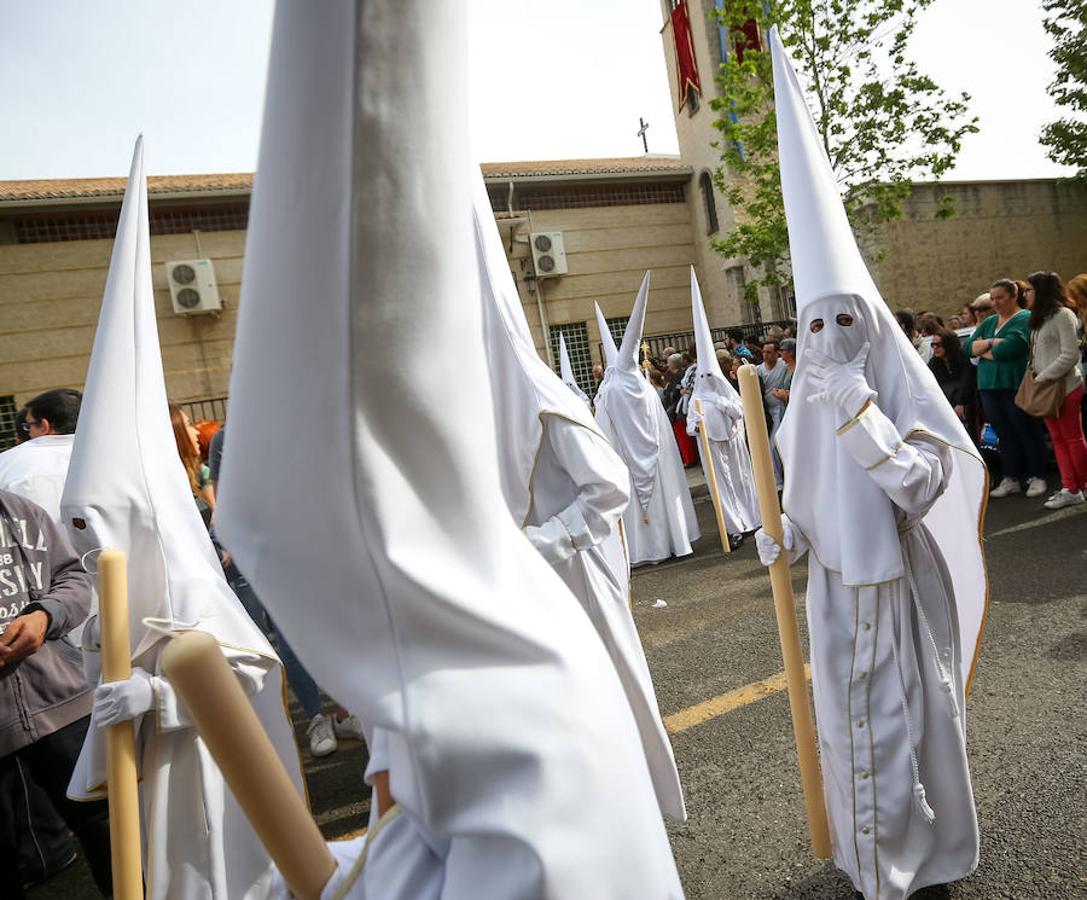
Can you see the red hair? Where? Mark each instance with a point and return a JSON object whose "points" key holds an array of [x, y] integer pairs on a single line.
{"points": [[190, 454], [205, 432]]}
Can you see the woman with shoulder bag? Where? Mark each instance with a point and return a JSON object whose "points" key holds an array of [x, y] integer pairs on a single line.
{"points": [[1055, 361]]}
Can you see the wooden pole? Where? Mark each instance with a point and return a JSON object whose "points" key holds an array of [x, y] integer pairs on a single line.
{"points": [[785, 608], [223, 715], [711, 477], [124, 798]]}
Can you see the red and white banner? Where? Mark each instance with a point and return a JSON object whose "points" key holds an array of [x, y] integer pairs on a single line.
{"points": [[686, 63]]}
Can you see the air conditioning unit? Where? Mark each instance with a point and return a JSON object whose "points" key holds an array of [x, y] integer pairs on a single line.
{"points": [[548, 253], [192, 287]]}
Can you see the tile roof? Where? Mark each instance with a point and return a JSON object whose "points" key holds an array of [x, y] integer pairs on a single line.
{"points": [[623, 165], [12, 192], [79, 188]]}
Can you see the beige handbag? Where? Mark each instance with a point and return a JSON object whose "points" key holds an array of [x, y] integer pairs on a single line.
{"points": [[1039, 398]]}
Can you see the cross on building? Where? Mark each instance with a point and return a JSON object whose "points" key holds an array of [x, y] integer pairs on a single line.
{"points": [[641, 133]]}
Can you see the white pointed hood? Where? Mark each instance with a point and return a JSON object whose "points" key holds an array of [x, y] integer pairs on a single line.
{"points": [[628, 399], [566, 371], [629, 351], [721, 404], [611, 352], [126, 486], [523, 386], [398, 575], [848, 518]]}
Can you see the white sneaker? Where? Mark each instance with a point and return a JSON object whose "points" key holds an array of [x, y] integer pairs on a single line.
{"points": [[349, 728], [1036, 487], [1063, 498], [322, 740], [1006, 488]]}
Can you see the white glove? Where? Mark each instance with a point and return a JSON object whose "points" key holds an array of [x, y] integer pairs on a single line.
{"points": [[119, 701], [694, 418], [840, 384], [769, 549], [551, 540]]}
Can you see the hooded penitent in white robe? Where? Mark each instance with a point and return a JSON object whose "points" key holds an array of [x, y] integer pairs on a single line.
{"points": [[127, 489], [889, 505], [566, 371], [399, 576], [567, 488], [722, 417], [660, 520]]}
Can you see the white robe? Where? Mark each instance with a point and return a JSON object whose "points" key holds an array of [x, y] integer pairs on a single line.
{"points": [[574, 523], [672, 524], [876, 652], [771, 380], [735, 480]]}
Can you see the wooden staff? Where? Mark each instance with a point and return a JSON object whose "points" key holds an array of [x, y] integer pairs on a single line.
{"points": [[711, 477], [785, 608], [124, 798], [223, 715]]}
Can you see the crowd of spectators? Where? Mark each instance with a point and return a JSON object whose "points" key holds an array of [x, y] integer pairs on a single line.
{"points": [[1031, 328]]}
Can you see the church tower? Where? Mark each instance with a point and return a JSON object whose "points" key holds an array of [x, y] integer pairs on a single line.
{"points": [[694, 47]]}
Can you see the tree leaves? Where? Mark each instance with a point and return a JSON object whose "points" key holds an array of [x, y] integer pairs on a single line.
{"points": [[884, 122], [1066, 139]]}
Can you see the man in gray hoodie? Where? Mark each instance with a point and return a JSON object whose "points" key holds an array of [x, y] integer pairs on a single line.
{"points": [[45, 702]]}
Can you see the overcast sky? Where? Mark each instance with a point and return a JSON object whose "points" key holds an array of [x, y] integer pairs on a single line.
{"points": [[564, 79]]}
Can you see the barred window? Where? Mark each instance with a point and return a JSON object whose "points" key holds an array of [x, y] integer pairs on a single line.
{"points": [[7, 421], [543, 197], [618, 327]]}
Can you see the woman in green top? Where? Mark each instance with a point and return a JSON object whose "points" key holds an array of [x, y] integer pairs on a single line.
{"points": [[1002, 343]]}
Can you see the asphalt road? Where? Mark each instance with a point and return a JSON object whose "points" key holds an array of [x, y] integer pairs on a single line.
{"points": [[746, 837]]}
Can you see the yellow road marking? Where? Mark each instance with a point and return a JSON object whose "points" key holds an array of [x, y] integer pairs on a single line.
{"points": [[727, 702]]}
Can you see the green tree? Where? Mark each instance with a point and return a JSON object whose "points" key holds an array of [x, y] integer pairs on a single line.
{"points": [[884, 123], [1066, 139]]}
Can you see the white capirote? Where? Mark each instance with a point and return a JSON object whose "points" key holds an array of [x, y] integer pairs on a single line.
{"points": [[425, 610]]}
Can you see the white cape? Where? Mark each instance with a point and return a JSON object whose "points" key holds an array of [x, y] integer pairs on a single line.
{"points": [[567, 487], [126, 489]]}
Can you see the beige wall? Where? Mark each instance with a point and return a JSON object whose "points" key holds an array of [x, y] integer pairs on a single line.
{"points": [[1002, 229], [50, 293], [608, 250], [50, 296]]}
